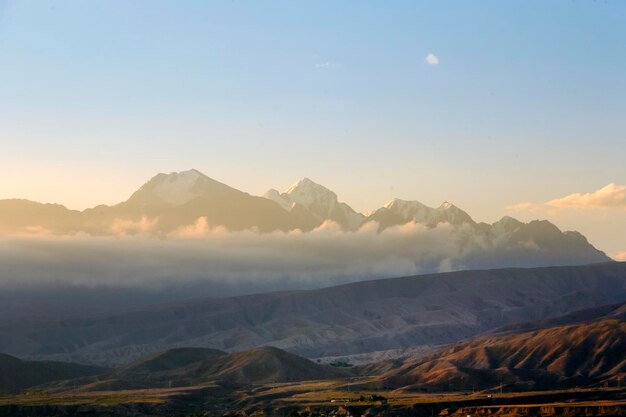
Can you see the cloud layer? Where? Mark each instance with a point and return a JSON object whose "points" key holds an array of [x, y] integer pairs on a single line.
{"points": [[43, 275], [323, 256], [218, 262]]}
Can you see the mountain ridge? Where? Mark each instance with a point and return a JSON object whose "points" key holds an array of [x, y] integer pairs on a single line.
{"points": [[580, 349], [170, 202], [352, 318], [320, 201]]}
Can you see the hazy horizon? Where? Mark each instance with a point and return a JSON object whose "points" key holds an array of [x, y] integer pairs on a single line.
{"points": [[505, 120], [565, 210]]}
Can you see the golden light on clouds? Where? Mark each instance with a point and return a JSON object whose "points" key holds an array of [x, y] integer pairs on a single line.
{"points": [[619, 256], [611, 196]]}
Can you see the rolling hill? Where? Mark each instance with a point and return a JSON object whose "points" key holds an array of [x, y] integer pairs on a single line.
{"points": [[17, 375], [197, 366]]}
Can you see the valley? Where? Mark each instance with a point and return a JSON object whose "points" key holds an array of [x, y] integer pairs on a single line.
{"points": [[564, 361]]}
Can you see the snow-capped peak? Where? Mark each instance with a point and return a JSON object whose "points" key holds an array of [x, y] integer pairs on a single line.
{"points": [[282, 200], [303, 183], [393, 202], [307, 192], [410, 210], [449, 213], [321, 202], [399, 203], [416, 211], [177, 187]]}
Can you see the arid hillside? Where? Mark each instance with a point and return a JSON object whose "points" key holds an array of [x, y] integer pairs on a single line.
{"points": [[582, 349]]}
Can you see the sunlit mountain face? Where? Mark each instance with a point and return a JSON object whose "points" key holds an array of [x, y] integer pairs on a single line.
{"points": [[304, 226], [168, 203]]}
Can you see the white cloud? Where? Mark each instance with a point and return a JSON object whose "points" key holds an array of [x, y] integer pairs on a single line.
{"points": [[122, 227], [327, 65], [324, 256], [611, 196], [432, 59]]}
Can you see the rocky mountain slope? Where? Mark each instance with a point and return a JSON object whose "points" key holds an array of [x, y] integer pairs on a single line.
{"points": [[397, 212], [354, 318], [580, 349], [319, 201]]}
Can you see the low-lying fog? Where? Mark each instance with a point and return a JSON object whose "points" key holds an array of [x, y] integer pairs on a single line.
{"points": [[82, 274]]}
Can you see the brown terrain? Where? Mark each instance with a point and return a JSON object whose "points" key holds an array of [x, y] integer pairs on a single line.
{"points": [[583, 351], [571, 365]]}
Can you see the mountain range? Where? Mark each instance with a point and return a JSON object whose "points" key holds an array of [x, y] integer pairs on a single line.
{"points": [[542, 328], [367, 316], [169, 202]]}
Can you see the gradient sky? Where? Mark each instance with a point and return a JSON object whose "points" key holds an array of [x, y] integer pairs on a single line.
{"points": [[526, 103]]}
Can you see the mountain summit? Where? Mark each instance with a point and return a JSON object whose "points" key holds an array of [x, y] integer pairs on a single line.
{"points": [[319, 201], [179, 199], [178, 188], [399, 211]]}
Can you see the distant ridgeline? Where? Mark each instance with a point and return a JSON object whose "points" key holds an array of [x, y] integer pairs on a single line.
{"points": [[367, 316], [169, 202], [581, 349]]}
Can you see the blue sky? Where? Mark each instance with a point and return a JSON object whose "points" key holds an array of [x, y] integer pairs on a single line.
{"points": [[526, 103]]}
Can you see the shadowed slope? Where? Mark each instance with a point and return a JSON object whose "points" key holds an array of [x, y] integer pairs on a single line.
{"points": [[170, 360], [16, 374], [353, 318], [193, 366], [268, 364]]}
